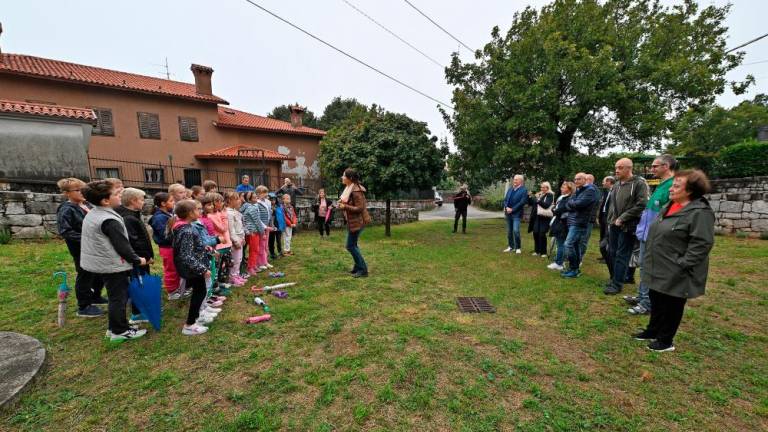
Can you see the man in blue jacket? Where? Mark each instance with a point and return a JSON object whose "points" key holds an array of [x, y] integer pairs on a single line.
{"points": [[579, 211], [514, 202]]}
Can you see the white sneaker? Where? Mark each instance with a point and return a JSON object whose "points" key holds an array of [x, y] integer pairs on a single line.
{"points": [[127, 335], [211, 314], [194, 330], [534, 253], [270, 265], [555, 266], [518, 251], [262, 268], [204, 319], [509, 249], [176, 295], [211, 309], [543, 255]]}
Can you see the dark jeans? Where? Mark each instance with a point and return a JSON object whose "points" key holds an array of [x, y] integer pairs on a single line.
{"points": [[540, 242], [585, 241], [117, 292], [87, 285], [275, 236], [460, 213], [354, 250], [621, 244], [197, 284], [323, 225], [513, 232], [606, 254], [573, 244], [666, 314]]}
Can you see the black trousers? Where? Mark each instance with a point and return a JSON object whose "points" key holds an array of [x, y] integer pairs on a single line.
{"points": [[87, 285], [275, 237], [460, 213], [224, 266], [606, 254], [666, 314], [197, 284], [540, 242], [117, 292], [322, 225]]}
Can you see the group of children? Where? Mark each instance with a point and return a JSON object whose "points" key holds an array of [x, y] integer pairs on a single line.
{"points": [[203, 237]]}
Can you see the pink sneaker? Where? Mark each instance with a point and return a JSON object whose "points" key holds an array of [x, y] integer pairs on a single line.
{"points": [[236, 281]]}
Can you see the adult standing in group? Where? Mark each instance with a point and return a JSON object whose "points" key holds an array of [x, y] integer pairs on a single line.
{"points": [[541, 217], [589, 181], [461, 202], [288, 188], [628, 199], [680, 239], [663, 168], [579, 208], [323, 209], [352, 202], [602, 220], [245, 185], [559, 225], [514, 201]]}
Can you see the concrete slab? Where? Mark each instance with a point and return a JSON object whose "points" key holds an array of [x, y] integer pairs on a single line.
{"points": [[21, 358], [446, 212]]}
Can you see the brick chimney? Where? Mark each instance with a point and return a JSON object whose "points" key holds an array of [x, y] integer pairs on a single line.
{"points": [[202, 79], [297, 114]]}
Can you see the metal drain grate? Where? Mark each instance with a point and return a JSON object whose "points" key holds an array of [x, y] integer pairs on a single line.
{"points": [[474, 304]]}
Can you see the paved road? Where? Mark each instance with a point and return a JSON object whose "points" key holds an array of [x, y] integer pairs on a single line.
{"points": [[447, 212]]}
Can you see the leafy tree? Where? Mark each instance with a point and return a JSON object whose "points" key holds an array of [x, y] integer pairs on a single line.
{"points": [[583, 74], [340, 110], [283, 113], [703, 133], [392, 153], [745, 159]]}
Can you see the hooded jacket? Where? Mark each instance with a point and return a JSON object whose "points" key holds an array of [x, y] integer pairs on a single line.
{"points": [[189, 254], [356, 210], [137, 232], [680, 244], [159, 224], [69, 219], [628, 199]]}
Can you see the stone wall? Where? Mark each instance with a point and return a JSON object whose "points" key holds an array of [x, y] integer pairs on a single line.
{"points": [[740, 205], [31, 215]]}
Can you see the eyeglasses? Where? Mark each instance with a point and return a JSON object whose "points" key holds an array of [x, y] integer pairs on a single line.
{"points": [[657, 165]]}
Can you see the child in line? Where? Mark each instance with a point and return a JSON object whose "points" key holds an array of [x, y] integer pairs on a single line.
{"points": [[178, 192], [264, 208], [236, 235], [107, 251], [191, 260], [197, 192], [69, 217], [164, 203], [211, 302], [323, 208], [291, 221], [277, 223], [253, 230], [221, 227], [210, 186], [133, 202]]}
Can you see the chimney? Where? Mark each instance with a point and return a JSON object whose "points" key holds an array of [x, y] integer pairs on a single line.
{"points": [[202, 79], [297, 114]]}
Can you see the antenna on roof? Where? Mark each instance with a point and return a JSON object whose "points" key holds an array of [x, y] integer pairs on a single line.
{"points": [[165, 66], [1, 32]]}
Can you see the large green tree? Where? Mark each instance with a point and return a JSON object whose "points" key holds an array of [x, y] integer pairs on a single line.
{"points": [[283, 112], [339, 110], [703, 132], [583, 75], [392, 152]]}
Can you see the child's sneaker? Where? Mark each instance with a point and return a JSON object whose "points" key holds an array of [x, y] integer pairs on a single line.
{"points": [[90, 311], [129, 334], [204, 319], [211, 309], [269, 266], [194, 330], [214, 303], [137, 319], [262, 268], [220, 298]]}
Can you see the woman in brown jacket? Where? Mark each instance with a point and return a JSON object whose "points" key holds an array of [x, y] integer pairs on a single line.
{"points": [[352, 203]]}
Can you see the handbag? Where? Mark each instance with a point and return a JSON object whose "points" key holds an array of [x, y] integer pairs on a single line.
{"points": [[541, 211]]}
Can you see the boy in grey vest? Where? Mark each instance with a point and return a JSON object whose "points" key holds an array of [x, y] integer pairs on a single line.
{"points": [[107, 252]]}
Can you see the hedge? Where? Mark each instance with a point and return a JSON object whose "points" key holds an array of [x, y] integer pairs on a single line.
{"points": [[746, 159]]}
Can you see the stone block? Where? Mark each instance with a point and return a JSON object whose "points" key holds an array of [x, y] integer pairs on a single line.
{"points": [[760, 225], [725, 222], [43, 197], [744, 223], [715, 204], [746, 208], [49, 218], [734, 216], [14, 208], [14, 196], [731, 206], [23, 358], [42, 207], [760, 207], [29, 232], [27, 220], [750, 215]]}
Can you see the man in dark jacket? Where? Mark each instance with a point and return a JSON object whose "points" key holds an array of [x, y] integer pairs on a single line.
{"points": [[628, 199], [514, 203], [461, 201], [69, 219], [579, 208], [590, 182]]}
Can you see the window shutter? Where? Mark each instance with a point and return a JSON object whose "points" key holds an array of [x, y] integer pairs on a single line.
{"points": [[149, 125], [188, 129], [104, 123]]}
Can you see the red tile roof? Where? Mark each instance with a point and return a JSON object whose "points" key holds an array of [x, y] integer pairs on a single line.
{"points": [[231, 153], [46, 110], [19, 64], [231, 118]]}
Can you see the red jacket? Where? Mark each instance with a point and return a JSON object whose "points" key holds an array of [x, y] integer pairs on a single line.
{"points": [[290, 216]]}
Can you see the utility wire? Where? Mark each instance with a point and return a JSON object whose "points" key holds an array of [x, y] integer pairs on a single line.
{"points": [[740, 46], [349, 55], [393, 33], [754, 63], [438, 26]]}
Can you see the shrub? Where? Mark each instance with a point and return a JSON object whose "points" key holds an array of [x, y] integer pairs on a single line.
{"points": [[746, 159], [5, 235], [492, 197]]}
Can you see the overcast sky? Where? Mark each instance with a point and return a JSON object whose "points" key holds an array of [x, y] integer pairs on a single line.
{"points": [[260, 62]]}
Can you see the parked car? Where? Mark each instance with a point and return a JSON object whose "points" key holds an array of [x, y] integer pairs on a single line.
{"points": [[438, 199]]}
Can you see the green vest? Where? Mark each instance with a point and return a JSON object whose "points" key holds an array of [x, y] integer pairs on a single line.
{"points": [[660, 196]]}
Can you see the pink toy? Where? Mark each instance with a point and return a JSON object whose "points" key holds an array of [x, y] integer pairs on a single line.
{"points": [[257, 319]]}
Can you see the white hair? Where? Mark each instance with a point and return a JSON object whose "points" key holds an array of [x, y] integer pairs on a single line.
{"points": [[130, 193], [520, 176]]}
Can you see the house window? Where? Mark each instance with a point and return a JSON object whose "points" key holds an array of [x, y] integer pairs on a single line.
{"points": [[188, 129], [103, 173], [154, 175], [104, 123], [149, 125]]}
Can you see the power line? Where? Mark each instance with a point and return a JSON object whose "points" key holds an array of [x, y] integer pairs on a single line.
{"points": [[744, 44], [754, 63], [438, 26], [393, 34], [349, 55]]}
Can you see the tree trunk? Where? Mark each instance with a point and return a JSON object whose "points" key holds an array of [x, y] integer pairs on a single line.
{"points": [[387, 220], [564, 141]]}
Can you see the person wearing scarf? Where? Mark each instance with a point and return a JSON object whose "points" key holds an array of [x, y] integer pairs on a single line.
{"points": [[352, 202]]}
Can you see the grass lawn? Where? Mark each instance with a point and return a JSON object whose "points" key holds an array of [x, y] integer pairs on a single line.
{"points": [[392, 353]]}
